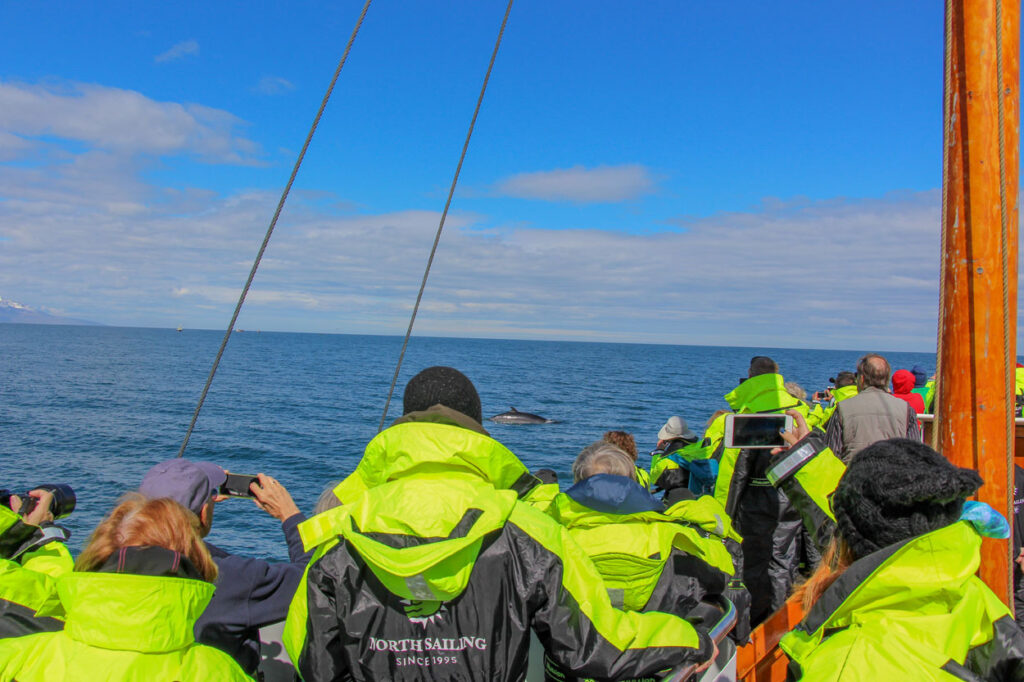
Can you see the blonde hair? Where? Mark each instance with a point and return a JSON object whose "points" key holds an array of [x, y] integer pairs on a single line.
{"points": [[713, 417], [623, 441], [835, 560], [138, 521]]}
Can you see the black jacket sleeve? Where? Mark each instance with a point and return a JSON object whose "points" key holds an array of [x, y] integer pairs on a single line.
{"points": [[807, 474]]}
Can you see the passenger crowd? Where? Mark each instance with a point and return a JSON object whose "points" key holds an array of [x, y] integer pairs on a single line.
{"points": [[441, 554]]}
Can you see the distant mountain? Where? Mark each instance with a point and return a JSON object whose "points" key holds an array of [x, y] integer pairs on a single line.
{"points": [[17, 313]]}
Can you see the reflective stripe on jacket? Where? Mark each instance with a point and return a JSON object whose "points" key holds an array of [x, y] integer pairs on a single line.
{"points": [[438, 570], [915, 610]]}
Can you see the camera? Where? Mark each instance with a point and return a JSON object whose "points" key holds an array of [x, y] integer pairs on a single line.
{"points": [[61, 507]]}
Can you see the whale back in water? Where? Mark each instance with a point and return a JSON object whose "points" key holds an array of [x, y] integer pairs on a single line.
{"points": [[514, 416]]}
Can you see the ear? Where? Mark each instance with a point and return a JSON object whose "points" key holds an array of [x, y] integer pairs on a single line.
{"points": [[206, 514]]}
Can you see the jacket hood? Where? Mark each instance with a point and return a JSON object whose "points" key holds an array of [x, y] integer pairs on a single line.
{"points": [[434, 446], [925, 587], [421, 536], [902, 381], [614, 495], [843, 392], [696, 527], [920, 376], [132, 612], [763, 393]]}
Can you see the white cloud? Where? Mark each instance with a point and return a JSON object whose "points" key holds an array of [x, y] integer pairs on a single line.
{"points": [[587, 185], [90, 237], [274, 85], [182, 49], [12, 146], [124, 121]]}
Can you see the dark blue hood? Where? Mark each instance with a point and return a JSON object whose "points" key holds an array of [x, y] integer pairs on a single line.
{"points": [[920, 376], [613, 495]]}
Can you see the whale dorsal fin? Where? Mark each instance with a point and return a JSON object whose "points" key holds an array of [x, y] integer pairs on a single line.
{"points": [[512, 409]]}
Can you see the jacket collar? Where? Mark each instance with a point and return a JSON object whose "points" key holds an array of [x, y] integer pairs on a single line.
{"points": [[440, 414], [613, 495], [432, 446], [155, 561], [132, 612], [895, 577]]}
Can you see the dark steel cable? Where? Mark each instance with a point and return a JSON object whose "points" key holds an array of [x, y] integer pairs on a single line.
{"points": [[444, 215], [270, 229]]}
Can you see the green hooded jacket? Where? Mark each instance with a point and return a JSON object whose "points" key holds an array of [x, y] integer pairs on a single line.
{"points": [[915, 610], [28, 594], [434, 568], [121, 627], [838, 395], [764, 393], [633, 551]]}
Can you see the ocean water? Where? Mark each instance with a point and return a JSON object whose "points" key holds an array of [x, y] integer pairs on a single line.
{"points": [[95, 407]]}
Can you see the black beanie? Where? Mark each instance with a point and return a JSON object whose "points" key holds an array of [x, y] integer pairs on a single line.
{"points": [[897, 489], [442, 386]]}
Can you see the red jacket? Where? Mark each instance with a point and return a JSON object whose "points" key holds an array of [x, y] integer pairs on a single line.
{"points": [[902, 388]]}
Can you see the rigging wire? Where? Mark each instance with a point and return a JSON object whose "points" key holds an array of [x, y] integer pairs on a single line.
{"points": [[270, 229], [948, 133], [1004, 245], [444, 215]]}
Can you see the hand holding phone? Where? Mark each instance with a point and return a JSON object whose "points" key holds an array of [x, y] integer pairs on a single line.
{"points": [[238, 485], [756, 431], [274, 498]]}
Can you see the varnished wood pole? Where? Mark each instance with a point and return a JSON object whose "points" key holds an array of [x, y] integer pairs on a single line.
{"points": [[979, 302]]}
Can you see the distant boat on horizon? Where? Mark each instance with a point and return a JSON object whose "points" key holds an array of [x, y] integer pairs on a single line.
{"points": [[179, 327]]}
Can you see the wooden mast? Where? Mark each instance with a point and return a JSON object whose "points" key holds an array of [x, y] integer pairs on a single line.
{"points": [[978, 307], [978, 304]]}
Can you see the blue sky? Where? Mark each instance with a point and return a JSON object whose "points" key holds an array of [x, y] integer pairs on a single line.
{"points": [[656, 171]]}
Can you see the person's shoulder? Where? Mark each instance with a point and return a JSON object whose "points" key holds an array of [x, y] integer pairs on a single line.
{"points": [[216, 552], [234, 569], [871, 651], [202, 662], [529, 525]]}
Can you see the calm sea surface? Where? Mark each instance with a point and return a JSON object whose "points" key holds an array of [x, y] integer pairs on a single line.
{"points": [[95, 407]]}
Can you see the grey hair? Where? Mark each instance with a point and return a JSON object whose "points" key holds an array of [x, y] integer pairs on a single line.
{"points": [[602, 457], [327, 499], [795, 390]]}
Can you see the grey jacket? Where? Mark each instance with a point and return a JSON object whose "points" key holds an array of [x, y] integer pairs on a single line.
{"points": [[868, 417]]}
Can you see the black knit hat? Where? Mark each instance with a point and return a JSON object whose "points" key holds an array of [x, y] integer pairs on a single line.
{"points": [[897, 489], [445, 386]]}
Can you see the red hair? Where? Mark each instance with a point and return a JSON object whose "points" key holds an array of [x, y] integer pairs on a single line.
{"points": [[138, 521], [623, 441], [836, 559]]}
